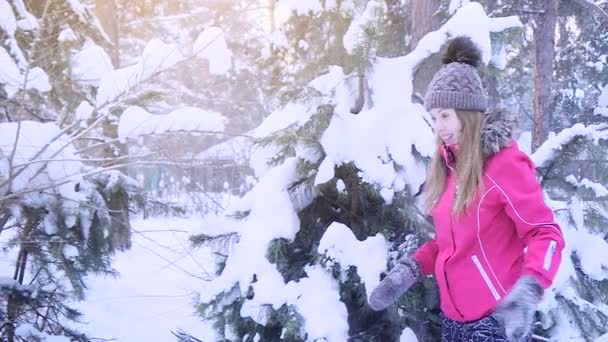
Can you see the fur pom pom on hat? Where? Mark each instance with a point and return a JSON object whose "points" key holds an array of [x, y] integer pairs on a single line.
{"points": [[457, 84]]}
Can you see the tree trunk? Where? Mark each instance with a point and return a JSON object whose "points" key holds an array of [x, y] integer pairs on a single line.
{"points": [[11, 313], [361, 98], [117, 202], [12, 306], [271, 13], [424, 20], [3, 220], [21, 265], [544, 53], [108, 17], [120, 227], [107, 12]]}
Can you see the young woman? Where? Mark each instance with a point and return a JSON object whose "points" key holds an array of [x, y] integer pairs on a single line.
{"points": [[497, 246]]}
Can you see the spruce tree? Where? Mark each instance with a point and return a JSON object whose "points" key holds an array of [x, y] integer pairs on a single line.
{"points": [[63, 214], [340, 172]]}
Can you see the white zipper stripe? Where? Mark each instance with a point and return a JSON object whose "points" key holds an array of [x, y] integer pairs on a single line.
{"points": [[486, 278], [549, 255], [483, 252]]}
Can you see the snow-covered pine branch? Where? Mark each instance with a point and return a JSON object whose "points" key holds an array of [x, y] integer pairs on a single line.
{"points": [[33, 51], [355, 37], [90, 173], [136, 122], [550, 149], [63, 134], [62, 215], [35, 141], [379, 142], [13, 79], [12, 74], [158, 57], [379, 156], [341, 246], [455, 5], [62, 172], [598, 189]]}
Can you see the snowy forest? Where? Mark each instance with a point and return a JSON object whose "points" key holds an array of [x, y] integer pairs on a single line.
{"points": [[249, 170]]}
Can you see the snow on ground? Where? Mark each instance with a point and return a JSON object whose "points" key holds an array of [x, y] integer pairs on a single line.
{"points": [[152, 296]]}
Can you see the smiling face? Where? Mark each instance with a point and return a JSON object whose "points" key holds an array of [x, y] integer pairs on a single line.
{"points": [[447, 125]]}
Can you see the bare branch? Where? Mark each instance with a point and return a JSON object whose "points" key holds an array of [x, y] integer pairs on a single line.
{"points": [[25, 107], [11, 159], [36, 275], [532, 11], [70, 178], [165, 231], [45, 319], [110, 103], [88, 129], [142, 233], [101, 144], [3, 220], [521, 105], [39, 153], [174, 265], [87, 160], [166, 18], [201, 190], [237, 135], [180, 334]]}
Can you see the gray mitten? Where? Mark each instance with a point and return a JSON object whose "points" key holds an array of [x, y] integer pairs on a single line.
{"points": [[516, 312], [400, 278]]}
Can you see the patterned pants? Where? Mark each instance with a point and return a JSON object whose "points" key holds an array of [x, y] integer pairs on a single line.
{"points": [[485, 330]]}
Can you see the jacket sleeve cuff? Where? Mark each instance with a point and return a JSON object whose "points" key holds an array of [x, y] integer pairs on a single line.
{"points": [[425, 256], [539, 277]]}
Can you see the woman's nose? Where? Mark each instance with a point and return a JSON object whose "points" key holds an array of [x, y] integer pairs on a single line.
{"points": [[438, 125]]}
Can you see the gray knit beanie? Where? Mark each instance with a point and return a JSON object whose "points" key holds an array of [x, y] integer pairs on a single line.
{"points": [[457, 84]]}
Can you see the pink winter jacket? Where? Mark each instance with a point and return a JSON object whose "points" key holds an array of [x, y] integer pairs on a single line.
{"points": [[507, 232]]}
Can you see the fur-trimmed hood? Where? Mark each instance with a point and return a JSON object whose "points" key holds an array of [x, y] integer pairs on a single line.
{"points": [[497, 131]]}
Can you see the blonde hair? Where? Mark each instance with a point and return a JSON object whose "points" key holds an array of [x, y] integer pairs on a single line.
{"points": [[469, 168]]}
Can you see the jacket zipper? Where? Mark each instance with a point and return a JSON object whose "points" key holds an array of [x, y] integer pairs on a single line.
{"points": [[486, 278], [445, 274]]}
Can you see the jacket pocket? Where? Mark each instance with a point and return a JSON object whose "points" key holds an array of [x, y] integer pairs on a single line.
{"points": [[486, 278]]}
